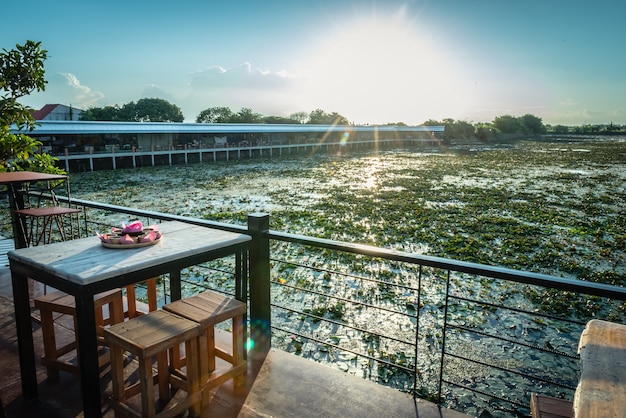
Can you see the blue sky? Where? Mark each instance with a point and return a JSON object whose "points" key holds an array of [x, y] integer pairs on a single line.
{"points": [[371, 61]]}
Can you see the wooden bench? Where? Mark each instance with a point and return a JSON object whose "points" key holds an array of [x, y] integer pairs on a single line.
{"points": [[548, 407]]}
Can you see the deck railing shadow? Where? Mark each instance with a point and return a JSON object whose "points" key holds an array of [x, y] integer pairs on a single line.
{"points": [[467, 336]]}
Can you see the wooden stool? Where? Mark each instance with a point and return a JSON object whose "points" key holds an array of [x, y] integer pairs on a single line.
{"points": [[549, 407], [145, 337], [131, 299], [63, 303], [208, 309]]}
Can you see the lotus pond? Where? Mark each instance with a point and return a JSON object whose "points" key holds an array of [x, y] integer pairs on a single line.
{"points": [[551, 207]]}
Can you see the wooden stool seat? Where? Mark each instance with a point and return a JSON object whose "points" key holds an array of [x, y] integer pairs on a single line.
{"points": [[145, 337], [55, 358], [549, 407], [208, 309]]}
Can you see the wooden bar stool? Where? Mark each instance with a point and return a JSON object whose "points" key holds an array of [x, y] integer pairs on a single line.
{"points": [[55, 358], [41, 221], [61, 303], [146, 337], [208, 309]]}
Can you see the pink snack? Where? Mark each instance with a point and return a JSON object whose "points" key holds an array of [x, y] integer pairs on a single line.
{"points": [[132, 227], [126, 239]]}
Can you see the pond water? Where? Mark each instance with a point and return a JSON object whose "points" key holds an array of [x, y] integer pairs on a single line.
{"points": [[550, 207]]}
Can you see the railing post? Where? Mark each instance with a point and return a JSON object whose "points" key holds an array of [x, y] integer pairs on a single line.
{"points": [[260, 311]]}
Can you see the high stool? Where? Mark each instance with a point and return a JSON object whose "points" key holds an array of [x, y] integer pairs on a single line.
{"points": [[145, 337], [62, 303], [208, 309], [131, 299], [41, 221]]}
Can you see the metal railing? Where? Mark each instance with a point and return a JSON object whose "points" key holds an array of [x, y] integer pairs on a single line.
{"points": [[467, 336]]}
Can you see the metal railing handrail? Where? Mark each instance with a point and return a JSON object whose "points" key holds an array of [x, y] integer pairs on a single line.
{"points": [[519, 276]]}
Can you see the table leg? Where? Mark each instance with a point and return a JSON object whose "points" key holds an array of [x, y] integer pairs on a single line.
{"points": [[25, 344], [175, 286], [88, 355]]}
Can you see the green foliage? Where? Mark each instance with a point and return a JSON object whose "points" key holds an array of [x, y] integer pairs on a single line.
{"points": [[215, 115], [508, 124], [319, 117], [107, 113], [21, 73], [145, 110]]}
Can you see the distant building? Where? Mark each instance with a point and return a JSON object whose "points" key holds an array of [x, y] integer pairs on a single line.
{"points": [[57, 112]]}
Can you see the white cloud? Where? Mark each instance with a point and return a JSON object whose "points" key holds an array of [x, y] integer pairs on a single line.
{"points": [[81, 96], [242, 77]]}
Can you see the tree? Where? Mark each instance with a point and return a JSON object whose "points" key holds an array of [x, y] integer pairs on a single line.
{"points": [[485, 131], [301, 117], [532, 124], [246, 115], [21, 73], [215, 115], [278, 120], [319, 117], [108, 113], [508, 124], [151, 110]]}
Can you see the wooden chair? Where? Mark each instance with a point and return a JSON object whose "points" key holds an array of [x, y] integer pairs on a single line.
{"points": [[55, 358], [145, 337], [209, 309]]}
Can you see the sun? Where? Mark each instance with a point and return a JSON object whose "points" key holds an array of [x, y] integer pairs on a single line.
{"points": [[379, 70]]}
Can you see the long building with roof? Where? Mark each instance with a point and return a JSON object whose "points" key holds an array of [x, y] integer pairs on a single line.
{"points": [[87, 142]]}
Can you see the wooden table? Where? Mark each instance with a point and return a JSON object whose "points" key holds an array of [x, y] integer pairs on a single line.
{"points": [[15, 181], [601, 392], [84, 268]]}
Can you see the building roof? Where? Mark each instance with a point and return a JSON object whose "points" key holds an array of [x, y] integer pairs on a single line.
{"points": [[44, 111], [89, 127]]}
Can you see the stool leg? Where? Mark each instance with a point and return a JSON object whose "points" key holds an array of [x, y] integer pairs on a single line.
{"points": [[210, 349], [152, 294], [117, 375], [163, 376], [238, 341], [49, 341], [147, 387], [193, 376], [131, 300]]}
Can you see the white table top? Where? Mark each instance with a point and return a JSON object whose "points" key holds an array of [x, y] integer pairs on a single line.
{"points": [[86, 260]]}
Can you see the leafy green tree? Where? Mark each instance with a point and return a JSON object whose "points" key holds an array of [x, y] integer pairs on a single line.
{"points": [[485, 131], [561, 129], [151, 110], [21, 73], [532, 124], [246, 115], [320, 117], [108, 113], [508, 124], [277, 120], [300, 117], [215, 115]]}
